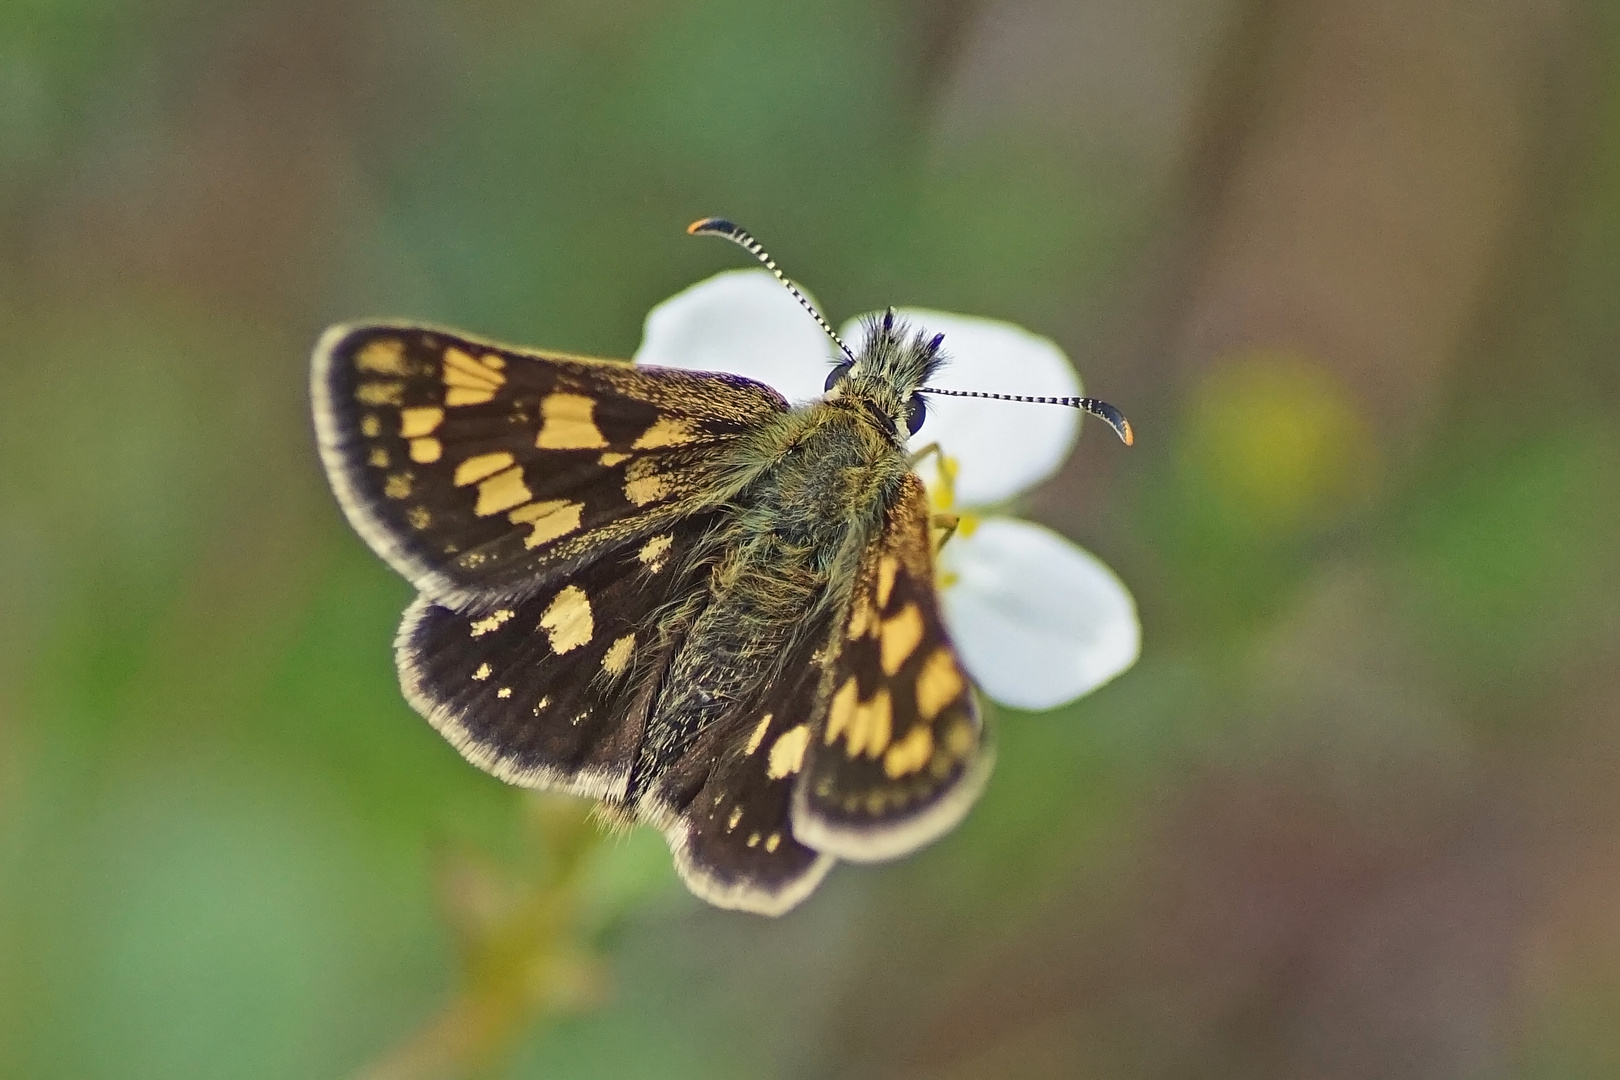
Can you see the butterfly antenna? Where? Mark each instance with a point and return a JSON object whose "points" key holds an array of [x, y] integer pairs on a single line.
{"points": [[1100, 409], [713, 226]]}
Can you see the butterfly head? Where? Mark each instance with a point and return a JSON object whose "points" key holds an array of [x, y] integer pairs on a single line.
{"points": [[889, 375], [886, 374]]}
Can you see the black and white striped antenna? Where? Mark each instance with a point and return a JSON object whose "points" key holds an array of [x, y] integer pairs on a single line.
{"points": [[1100, 409], [714, 226]]}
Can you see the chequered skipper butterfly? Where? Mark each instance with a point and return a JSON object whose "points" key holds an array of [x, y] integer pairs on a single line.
{"points": [[670, 591]]}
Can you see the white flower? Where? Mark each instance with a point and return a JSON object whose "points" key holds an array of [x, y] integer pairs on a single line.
{"points": [[1037, 620]]}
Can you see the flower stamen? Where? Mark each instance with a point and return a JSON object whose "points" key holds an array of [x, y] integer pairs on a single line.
{"points": [[942, 492]]}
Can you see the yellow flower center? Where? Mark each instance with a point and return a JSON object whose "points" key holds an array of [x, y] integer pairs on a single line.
{"points": [[942, 499]]}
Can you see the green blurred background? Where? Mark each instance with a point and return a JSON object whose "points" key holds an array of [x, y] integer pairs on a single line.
{"points": [[1352, 267]]}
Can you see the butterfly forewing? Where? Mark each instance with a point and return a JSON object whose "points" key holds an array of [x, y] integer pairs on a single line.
{"points": [[484, 473], [899, 752]]}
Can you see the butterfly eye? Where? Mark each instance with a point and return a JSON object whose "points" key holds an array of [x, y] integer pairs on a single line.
{"points": [[837, 375], [916, 413]]}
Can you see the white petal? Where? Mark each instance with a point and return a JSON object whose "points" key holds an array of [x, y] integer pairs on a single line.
{"points": [[743, 322], [1038, 621], [1003, 447]]}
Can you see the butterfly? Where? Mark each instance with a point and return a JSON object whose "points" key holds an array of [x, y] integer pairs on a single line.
{"points": [[672, 592]]}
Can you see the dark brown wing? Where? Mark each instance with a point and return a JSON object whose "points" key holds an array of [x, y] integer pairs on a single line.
{"points": [[899, 753], [485, 473], [552, 691], [867, 746], [726, 804]]}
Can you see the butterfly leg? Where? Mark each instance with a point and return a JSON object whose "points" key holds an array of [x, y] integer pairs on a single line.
{"points": [[943, 490], [944, 526], [932, 448]]}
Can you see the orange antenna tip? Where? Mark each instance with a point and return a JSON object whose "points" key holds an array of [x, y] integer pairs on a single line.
{"points": [[710, 225]]}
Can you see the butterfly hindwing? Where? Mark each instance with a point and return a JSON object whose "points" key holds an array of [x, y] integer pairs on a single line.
{"points": [[726, 803], [899, 752], [867, 745], [484, 473], [553, 690]]}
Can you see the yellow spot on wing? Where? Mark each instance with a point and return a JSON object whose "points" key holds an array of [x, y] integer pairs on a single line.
{"points": [[910, 753], [476, 468], [655, 551], [567, 422], [380, 393], [618, 655], [869, 728], [938, 683], [787, 752], [888, 566], [370, 426], [861, 619], [460, 395], [567, 621], [666, 432], [426, 451], [419, 517], [736, 816], [461, 369], [548, 520], [504, 692], [378, 458], [959, 739], [502, 491], [398, 486], [773, 841], [425, 420], [642, 490], [759, 734], [483, 672], [467, 382], [901, 635], [610, 459], [842, 710], [753, 839], [384, 356], [493, 622]]}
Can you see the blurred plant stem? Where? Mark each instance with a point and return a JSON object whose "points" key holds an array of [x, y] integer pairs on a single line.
{"points": [[524, 951]]}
